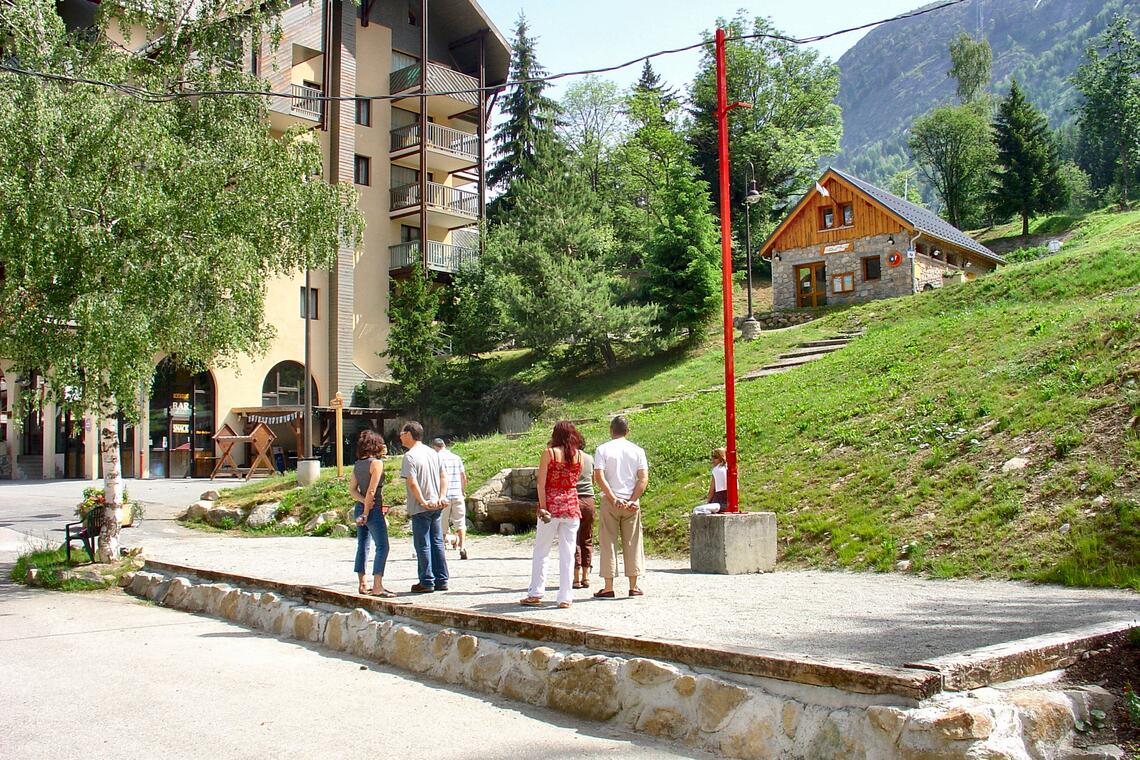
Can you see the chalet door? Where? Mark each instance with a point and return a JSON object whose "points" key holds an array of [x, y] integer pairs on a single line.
{"points": [[811, 284]]}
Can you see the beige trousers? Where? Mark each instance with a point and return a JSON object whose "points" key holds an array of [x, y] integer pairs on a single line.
{"points": [[616, 525]]}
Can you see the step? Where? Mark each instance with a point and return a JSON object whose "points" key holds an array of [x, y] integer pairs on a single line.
{"points": [[816, 351], [794, 361], [824, 342]]}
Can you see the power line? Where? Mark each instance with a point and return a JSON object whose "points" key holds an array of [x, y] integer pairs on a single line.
{"points": [[161, 97]]}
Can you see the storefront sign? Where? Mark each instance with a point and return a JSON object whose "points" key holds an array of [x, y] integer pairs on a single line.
{"points": [[180, 427], [837, 248], [180, 410]]}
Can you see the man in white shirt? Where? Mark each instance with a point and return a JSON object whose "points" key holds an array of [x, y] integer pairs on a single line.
{"points": [[425, 483], [621, 472], [455, 516]]}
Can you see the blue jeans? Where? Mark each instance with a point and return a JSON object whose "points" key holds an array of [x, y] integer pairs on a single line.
{"points": [[427, 537], [378, 529]]}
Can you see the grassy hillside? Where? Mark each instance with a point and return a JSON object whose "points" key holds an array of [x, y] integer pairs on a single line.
{"points": [[893, 448]]}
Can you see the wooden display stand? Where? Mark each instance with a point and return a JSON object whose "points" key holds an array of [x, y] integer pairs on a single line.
{"points": [[260, 438]]}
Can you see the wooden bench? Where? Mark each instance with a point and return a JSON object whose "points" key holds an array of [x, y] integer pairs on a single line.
{"points": [[85, 530]]}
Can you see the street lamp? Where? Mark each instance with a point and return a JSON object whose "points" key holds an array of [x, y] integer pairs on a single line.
{"points": [[751, 327]]}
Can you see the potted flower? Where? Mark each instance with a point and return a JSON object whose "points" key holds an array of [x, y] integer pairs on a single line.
{"points": [[127, 513]]}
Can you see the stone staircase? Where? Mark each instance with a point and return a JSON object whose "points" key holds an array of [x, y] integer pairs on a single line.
{"points": [[29, 467], [805, 352]]}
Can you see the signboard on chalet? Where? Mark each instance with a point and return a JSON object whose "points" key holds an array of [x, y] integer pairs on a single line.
{"points": [[837, 248]]}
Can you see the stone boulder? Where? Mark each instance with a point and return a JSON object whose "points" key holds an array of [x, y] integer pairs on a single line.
{"points": [[222, 517], [263, 515], [197, 511], [511, 496], [330, 516], [210, 495]]}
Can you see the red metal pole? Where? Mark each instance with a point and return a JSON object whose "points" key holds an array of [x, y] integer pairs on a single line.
{"points": [[722, 109]]}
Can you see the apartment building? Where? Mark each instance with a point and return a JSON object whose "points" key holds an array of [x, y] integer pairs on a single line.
{"points": [[416, 159]]}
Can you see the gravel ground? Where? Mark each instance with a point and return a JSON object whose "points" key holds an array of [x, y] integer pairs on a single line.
{"points": [[888, 618]]}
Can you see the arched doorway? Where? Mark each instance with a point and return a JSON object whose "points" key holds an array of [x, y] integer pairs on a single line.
{"points": [[181, 422], [284, 387]]}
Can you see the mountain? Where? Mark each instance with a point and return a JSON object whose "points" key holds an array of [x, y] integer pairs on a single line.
{"points": [[899, 71]]}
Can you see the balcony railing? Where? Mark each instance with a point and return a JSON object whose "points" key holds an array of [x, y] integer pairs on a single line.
{"points": [[443, 138], [440, 79], [441, 257], [440, 198], [306, 101]]}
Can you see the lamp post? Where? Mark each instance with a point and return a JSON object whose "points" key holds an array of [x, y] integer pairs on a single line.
{"points": [[750, 328]]}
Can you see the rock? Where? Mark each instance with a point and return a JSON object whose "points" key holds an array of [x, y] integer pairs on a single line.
{"points": [[648, 672], [664, 722], [523, 685], [1099, 752], [336, 631], [487, 670], [961, 723], [834, 740], [340, 531], [307, 624], [902, 565], [289, 521], [442, 643], [715, 702], [318, 520], [685, 686], [1085, 698], [408, 649], [790, 719], [197, 511], [540, 658], [585, 687], [210, 495], [507, 529], [1046, 716], [1099, 501], [221, 517], [466, 646], [1016, 464], [889, 720], [1065, 528], [263, 515]]}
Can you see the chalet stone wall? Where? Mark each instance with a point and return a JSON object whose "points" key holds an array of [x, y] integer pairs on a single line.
{"points": [[893, 281]]}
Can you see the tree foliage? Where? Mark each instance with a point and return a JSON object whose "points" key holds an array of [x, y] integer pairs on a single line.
{"points": [[413, 337], [1109, 116], [954, 150], [528, 129], [591, 123], [793, 121], [1027, 179], [970, 63]]}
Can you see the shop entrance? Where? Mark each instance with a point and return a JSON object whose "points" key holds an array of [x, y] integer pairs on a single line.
{"points": [[181, 422]]}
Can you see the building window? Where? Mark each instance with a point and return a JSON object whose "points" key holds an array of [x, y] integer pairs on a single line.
{"points": [[843, 283], [255, 60], [408, 233], [872, 268], [364, 112], [362, 170], [848, 215], [285, 386], [313, 303], [826, 218]]}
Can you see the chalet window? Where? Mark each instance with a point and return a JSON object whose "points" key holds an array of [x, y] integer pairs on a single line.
{"points": [[872, 268], [848, 215], [312, 306], [364, 112], [843, 282], [362, 169], [826, 218]]}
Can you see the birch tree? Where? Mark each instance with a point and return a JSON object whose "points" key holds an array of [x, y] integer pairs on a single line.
{"points": [[133, 226]]}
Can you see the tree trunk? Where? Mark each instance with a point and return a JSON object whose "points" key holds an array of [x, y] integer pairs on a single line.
{"points": [[608, 354], [1025, 225], [112, 489]]}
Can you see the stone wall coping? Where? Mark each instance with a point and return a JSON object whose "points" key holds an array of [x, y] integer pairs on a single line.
{"points": [[1012, 660], [847, 675]]}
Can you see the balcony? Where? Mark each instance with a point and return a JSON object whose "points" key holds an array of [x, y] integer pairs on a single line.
{"points": [[441, 257], [448, 149], [463, 90], [304, 106], [447, 206]]}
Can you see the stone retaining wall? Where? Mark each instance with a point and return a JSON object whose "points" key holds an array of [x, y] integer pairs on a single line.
{"points": [[737, 716]]}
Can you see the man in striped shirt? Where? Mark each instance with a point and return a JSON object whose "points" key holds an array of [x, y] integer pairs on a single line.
{"points": [[455, 515]]}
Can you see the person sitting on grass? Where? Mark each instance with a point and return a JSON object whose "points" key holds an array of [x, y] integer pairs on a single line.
{"points": [[718, 485]]}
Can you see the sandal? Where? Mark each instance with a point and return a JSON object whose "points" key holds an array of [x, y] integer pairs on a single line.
{"points": [[577, 584], [636, 592], [531, 601], [604, 594], [564, 605], [383, 593], [585, 583]]}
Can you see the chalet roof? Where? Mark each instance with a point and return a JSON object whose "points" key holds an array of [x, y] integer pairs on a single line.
{"points": [[921, 219]]}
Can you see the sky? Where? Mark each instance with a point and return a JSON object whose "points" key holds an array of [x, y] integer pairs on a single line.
{"points": [[580, 34]]}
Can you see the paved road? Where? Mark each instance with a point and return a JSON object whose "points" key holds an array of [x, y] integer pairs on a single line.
{"points": [[883, 618], [186, 686]]}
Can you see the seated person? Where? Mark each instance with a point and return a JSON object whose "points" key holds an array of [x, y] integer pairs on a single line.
{"points": [[718, 488]]}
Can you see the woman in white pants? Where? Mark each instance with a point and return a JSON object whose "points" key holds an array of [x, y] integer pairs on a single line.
{"points": [[558, 512]]}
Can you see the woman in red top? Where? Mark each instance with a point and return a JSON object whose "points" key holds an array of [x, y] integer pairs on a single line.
{"points": [[558, 512]]}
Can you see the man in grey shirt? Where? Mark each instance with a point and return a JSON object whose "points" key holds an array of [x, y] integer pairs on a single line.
{"points": [[426, 482]]}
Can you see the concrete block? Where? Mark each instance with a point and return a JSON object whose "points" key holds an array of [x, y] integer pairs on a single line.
{"points": [[733, 544]]}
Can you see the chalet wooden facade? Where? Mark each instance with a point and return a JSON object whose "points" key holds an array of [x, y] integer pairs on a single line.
{"points": [[852, 241]]}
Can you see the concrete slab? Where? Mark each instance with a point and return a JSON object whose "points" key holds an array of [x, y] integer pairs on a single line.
{"points": [[732, 544]]}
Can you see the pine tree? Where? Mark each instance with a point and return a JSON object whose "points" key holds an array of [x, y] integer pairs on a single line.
{"points": [[528, 129], [650, 82], [414, 339], [1028, 175]]}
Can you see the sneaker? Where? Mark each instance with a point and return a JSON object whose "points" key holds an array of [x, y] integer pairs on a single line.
{"points": [[418, 589], [462, 554]]}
